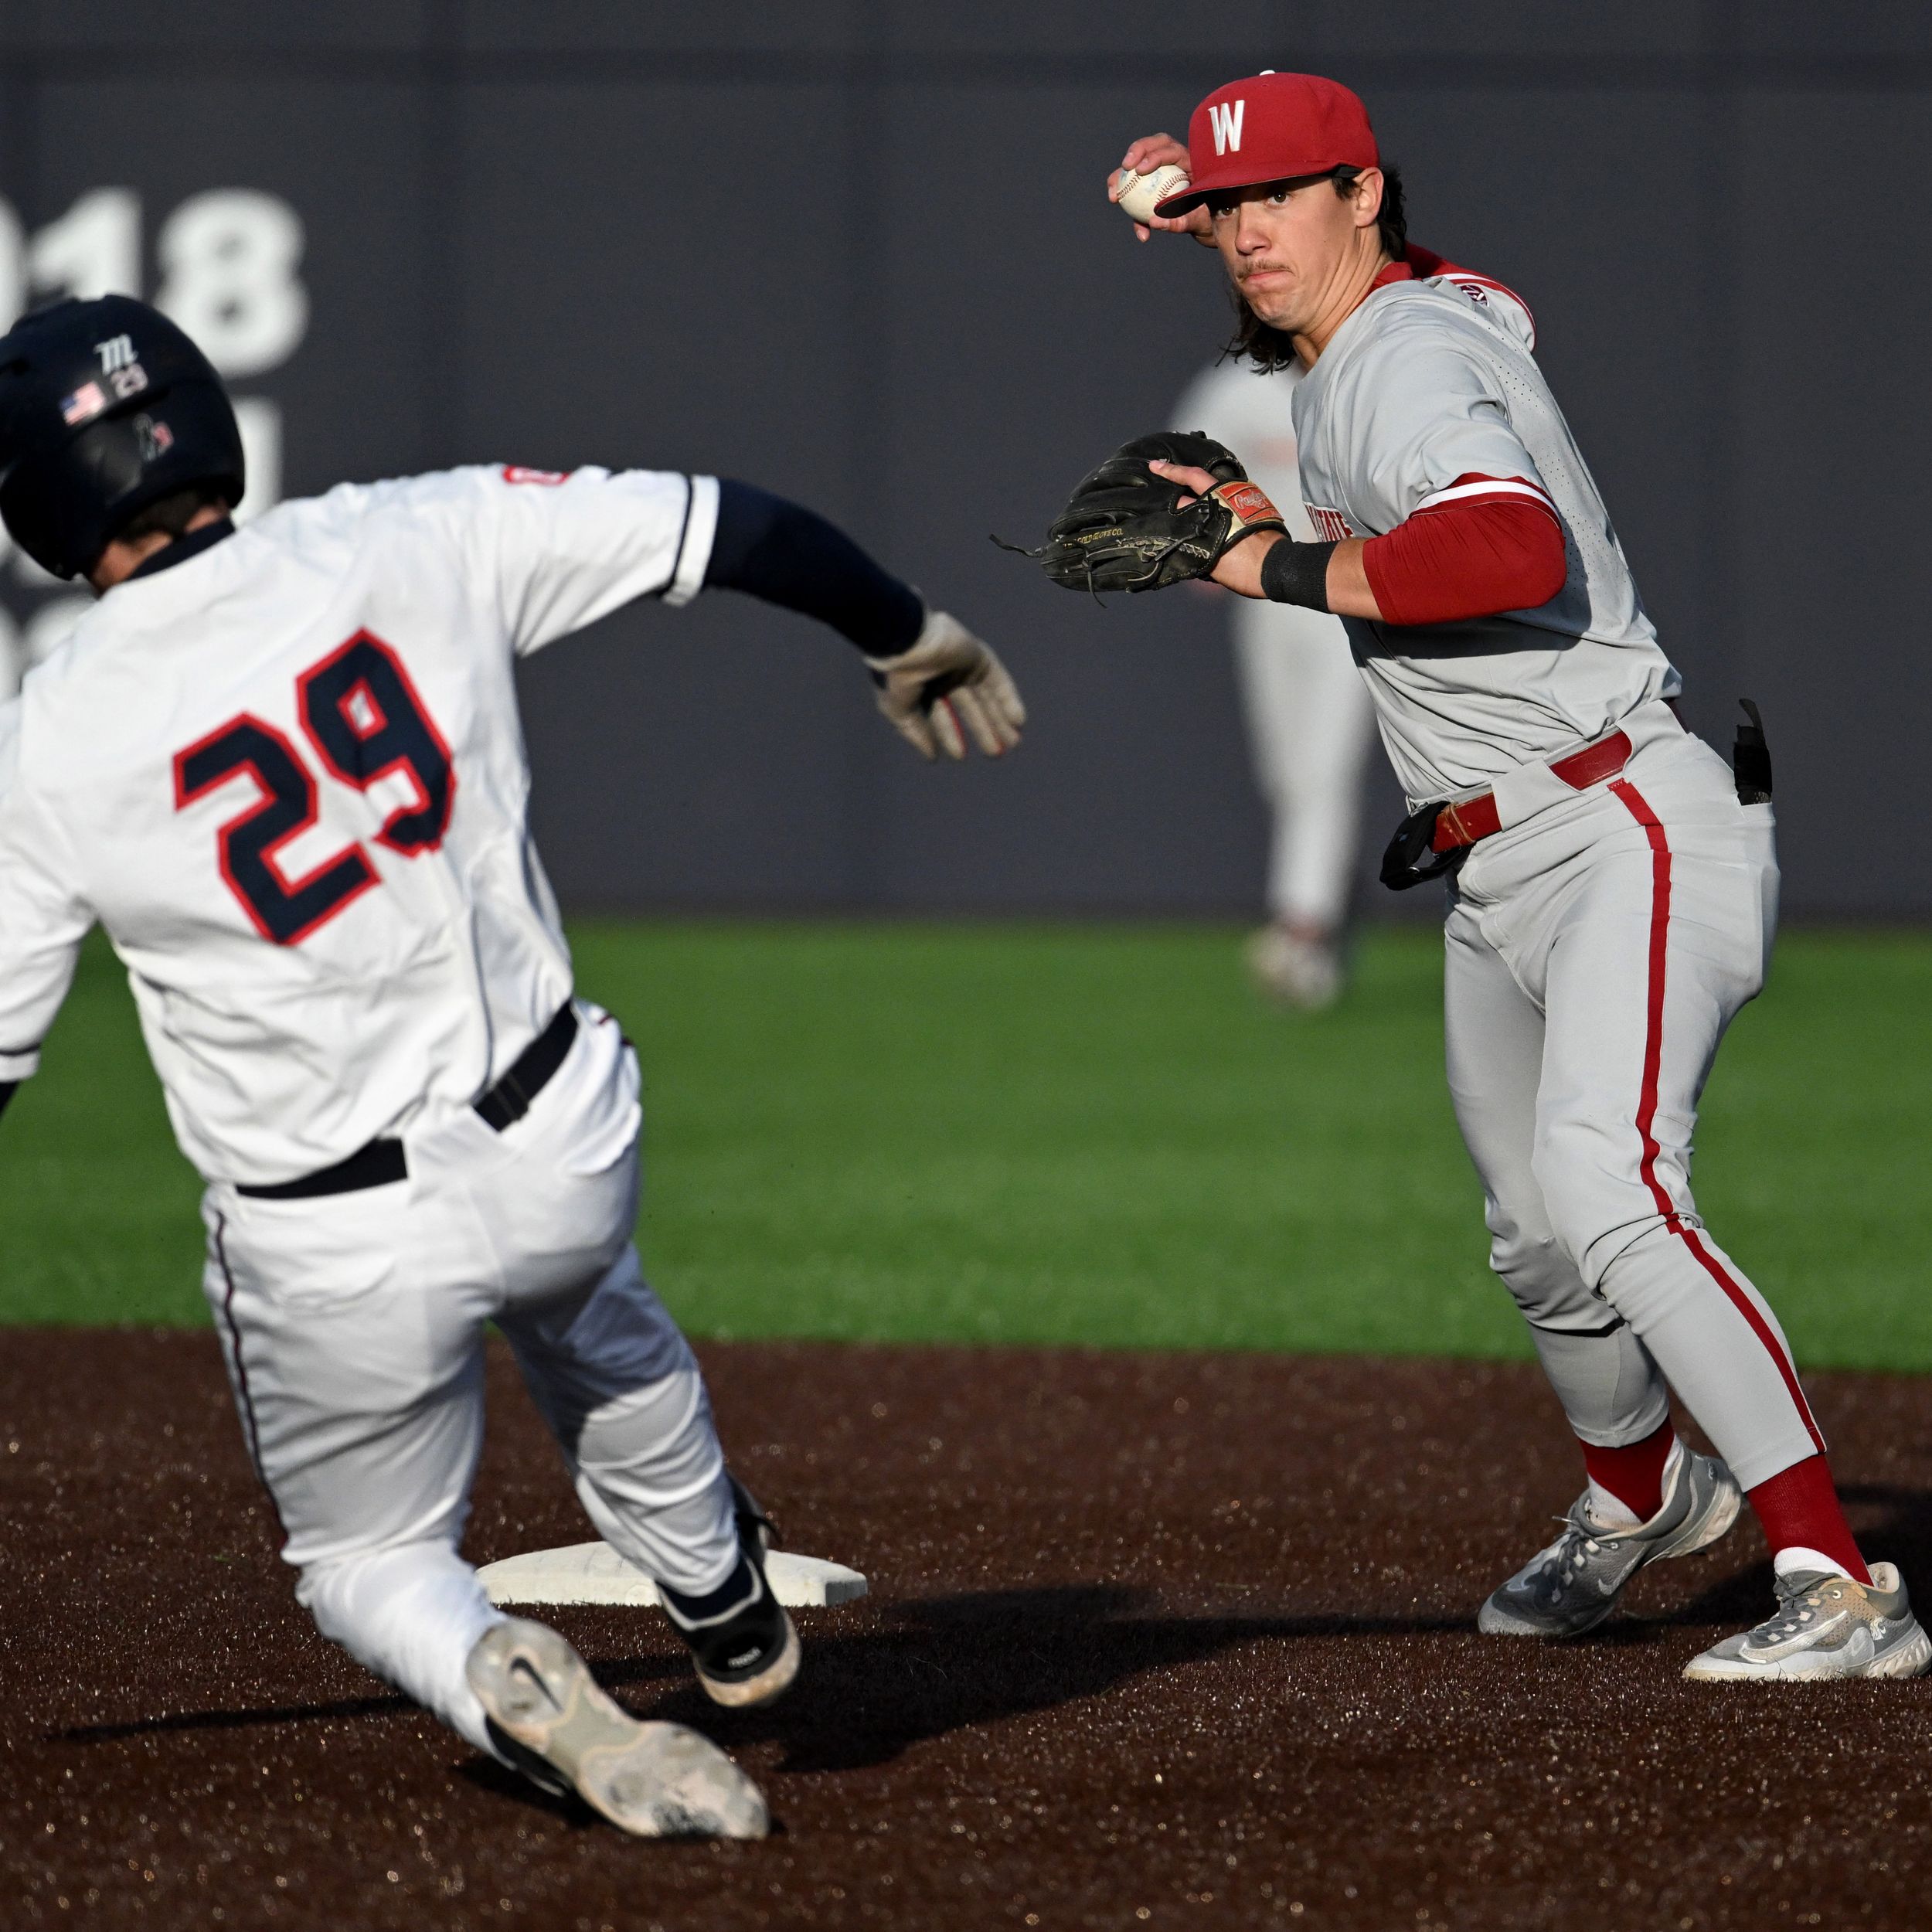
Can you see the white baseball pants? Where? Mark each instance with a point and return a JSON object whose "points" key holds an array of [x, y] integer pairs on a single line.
{"points": [[353, 1329], [1596, 953], [1311, 721]]}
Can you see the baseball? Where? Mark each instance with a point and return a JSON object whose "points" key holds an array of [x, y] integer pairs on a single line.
{"points": [[1139, 192]]}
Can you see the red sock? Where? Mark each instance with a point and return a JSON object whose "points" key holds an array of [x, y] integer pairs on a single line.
{"points": [[1799, 1506], [1634, 1475]]}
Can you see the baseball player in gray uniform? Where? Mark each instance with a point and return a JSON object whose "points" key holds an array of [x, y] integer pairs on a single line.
{"points": [[283, 768], [1309, 718], [1612, 884]]}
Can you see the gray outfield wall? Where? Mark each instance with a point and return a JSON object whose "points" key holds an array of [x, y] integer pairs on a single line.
{"points": [[857, 252]]}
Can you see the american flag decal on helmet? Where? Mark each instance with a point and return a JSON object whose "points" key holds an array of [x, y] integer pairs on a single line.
{"points": [[85, 402]]}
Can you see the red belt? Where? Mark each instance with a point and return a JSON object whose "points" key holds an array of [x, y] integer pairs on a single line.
{"points": [[1477, 818]]}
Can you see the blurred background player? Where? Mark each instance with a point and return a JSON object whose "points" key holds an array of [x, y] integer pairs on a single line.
{"points": [[1310, 719]]}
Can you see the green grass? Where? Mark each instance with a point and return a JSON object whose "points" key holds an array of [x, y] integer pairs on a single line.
{"points": [[1074, 1133]]}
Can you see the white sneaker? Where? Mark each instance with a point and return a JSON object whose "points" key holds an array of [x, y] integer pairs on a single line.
{"points": [[1825, 1626], [1296, 971]]}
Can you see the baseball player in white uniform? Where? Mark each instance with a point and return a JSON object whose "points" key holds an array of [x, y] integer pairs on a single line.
{"points": [[14, 656], [283, 768], [1612, 885], [1309, 719]]}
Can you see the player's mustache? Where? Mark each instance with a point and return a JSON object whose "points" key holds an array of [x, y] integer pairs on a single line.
{"points": [[1261, 268]]}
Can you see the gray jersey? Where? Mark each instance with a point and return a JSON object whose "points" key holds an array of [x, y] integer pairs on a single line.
{"points": [[1428, 395]]}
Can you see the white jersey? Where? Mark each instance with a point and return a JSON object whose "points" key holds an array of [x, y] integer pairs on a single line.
{"points": [[1253, 412], [1428, 395], [287, 774], [1309, 719]]}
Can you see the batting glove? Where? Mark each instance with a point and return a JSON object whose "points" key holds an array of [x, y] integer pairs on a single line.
{"points": [[947, 688]]}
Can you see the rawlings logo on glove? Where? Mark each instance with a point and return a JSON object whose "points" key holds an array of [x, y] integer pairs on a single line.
{"points": [[1125, 529]]}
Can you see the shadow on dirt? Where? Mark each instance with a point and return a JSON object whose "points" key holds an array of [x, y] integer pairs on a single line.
{"points": [[947, 1663], [954, 1663], [1894, 1525], [942, 1663], [343, 1707]]}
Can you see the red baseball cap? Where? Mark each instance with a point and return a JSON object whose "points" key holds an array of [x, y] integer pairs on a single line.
{"points": [[1273, 127]]}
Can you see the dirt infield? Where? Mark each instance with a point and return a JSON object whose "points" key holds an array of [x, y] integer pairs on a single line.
{"points": [[1170, 1641]]}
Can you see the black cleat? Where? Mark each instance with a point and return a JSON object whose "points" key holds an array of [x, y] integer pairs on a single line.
{"points": [[754, 1526], [741, 1639]]}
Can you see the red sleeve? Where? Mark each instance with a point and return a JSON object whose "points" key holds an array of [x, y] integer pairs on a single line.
{"points": [[1484, 545]]}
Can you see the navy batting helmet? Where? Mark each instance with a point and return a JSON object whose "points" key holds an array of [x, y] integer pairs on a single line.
{"points": [[105, 407]]}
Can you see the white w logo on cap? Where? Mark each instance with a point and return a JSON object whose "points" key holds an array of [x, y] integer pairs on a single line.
{"points": [[1225, 118]]}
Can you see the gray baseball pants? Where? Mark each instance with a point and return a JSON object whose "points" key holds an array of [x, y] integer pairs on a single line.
{"points": [[1596, 953]]}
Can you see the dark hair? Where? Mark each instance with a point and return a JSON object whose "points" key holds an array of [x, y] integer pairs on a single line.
{"points": [[170, 515], [1270, 348]]}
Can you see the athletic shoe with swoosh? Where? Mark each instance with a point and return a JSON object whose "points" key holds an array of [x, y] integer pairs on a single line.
{"points": [[1573, 1585], [548, 1717], [1825, 1626]]}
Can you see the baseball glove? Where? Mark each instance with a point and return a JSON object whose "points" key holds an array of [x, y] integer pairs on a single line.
{"points": [[1125, 529]]}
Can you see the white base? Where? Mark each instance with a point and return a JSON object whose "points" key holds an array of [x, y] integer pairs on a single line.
{"points": [[595, 1573]]}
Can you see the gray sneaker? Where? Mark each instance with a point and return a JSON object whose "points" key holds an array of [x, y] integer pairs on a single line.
{"points": [[1574, 1584], [1824, 1626], [549, 1718]]}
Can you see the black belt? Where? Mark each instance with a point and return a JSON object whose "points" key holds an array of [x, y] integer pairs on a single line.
{"points": [[382, 1161]]}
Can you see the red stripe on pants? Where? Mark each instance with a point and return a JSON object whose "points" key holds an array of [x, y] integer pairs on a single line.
{"points": [[1634, 803]]}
